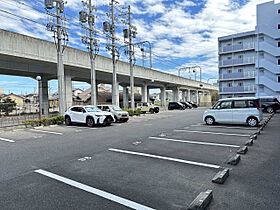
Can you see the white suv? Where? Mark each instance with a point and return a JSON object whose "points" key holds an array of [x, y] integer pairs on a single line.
{"points": [[243, 110], [91, 115]]}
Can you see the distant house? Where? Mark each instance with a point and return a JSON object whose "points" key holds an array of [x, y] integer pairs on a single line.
{"points": [[18, 99], [31, 98], [77, 91]]}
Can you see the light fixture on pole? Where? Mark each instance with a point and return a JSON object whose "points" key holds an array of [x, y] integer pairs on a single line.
{"points": [[38, 78]]}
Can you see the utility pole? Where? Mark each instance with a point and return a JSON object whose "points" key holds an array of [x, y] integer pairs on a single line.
{"points": [[93, 46], [110, 28], [114, 86], [130, 59], [60, 34], [130, 33]]}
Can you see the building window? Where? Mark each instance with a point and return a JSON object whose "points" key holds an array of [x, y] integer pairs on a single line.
{"points": [[229, 44], [229, 71], [229, 58], [240, 70], [240, 43], [279, 79], [229, 84], [278, 11], [240, 56], [278, 44], [278, 26], [240, 84], [278, 61]]}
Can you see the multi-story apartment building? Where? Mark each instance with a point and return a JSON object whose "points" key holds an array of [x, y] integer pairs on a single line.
{"points": [[249, 62]]}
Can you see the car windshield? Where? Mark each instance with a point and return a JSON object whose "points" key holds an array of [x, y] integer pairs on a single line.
{"points": [[116, 108], [92, 109]]}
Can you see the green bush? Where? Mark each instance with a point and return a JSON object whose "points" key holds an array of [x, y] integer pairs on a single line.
{"points": [[131, 112], [45, 121]]}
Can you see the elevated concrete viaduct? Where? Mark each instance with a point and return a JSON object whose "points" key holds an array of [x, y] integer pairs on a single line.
{"points": [[26, 56]]}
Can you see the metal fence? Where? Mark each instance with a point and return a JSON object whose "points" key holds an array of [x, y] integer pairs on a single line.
{"points": [[12, 114]]}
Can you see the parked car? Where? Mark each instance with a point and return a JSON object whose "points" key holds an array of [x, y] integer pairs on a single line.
{"points": [[175, 105], [269, 104], [147, 107], [91, 115], [194, 105], [186, 104], [235, 110], [119, 114]]}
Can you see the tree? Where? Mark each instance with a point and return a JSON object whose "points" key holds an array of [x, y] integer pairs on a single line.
{"points": [[7, 105]]}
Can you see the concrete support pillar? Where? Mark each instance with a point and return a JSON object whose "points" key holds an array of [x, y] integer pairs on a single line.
{"points": [[175, 94], [44, 96], [148, 95], [163, 97], [184, 95], [144, 91], [69, 97], [118, 94], [189, 94], [197, 97], [125, 97]]}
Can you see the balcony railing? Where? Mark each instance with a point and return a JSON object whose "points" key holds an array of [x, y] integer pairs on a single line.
{"points": [[238, 75], [238, 47], [238, 61], [250, 88]]}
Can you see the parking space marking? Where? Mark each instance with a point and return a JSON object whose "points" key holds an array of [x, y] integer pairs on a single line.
{"points": [[80, 127], [103, 194], [214, 133], [222, 126], [43, 131], [7, 140], [195, 142], [166, 158]]}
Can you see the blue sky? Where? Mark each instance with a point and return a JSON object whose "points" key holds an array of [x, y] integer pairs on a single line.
{"points": [[182, 32]]}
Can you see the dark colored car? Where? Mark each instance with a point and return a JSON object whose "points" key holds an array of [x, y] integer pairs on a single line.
{"points": [[269, 104], [175, 105], [193, 104], [186, 104]]}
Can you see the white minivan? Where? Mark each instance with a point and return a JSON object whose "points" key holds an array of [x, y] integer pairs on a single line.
{"points": [[243, 110]]}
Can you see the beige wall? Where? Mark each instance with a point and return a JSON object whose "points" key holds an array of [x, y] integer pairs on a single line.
{"points": [[1, 90], [17, 99]]}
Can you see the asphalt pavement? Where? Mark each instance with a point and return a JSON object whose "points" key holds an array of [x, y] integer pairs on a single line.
{"points": [[159, 161]]}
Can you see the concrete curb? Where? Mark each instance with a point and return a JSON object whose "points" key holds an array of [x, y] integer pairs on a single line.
{"points": [[242, 150], [201, 201], [221, 176], [249, 142], [254, 137], [234, 160]]}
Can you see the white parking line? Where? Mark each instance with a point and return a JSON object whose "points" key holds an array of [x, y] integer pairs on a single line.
{"points": [[221, 126], [81, 127], [165, 158], [92, 190], [43, 131], [7, 140], [214, 133], [195, 142]]}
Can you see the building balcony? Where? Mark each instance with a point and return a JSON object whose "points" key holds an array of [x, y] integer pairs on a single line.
{"points": [[236, 48], [238, 89], [237, 62], [237, 76]]}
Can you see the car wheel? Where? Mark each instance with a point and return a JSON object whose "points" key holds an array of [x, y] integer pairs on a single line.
{"points": [[67, 120], [252, 121], [270, 110], [152, 111], [209, 120], [90, 122], [156, 110]]}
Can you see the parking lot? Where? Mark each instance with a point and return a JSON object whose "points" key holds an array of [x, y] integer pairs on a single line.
{"points": [[160, 161]]}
